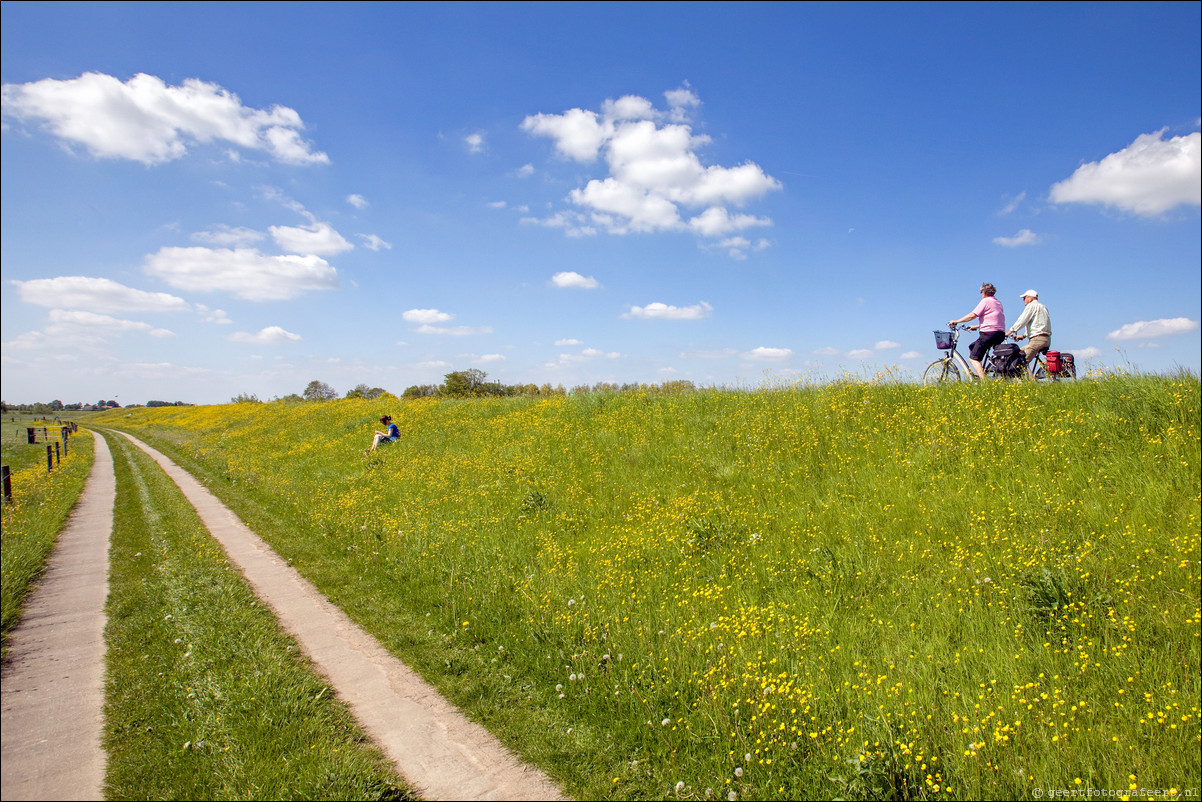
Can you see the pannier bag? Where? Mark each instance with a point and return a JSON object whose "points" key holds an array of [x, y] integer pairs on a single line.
{"points": [[1067, 365], [943, 340], [1052, 358], [1009, 358]]}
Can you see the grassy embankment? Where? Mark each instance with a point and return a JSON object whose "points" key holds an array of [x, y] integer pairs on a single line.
{"points": [[42, 500], [205, 698], [854, 590]]}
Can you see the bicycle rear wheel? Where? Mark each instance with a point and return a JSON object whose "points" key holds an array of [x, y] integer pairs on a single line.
{"points": [[942, 371]]}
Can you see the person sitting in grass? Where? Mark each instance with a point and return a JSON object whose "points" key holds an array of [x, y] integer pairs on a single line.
{"points": [[390, 434]]}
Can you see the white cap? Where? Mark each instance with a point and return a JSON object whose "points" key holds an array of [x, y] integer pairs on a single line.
{"points": [[1031, 293]]}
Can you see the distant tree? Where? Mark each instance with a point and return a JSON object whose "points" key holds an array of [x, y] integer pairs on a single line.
{"points": [[420, 391], [363, 391], [463, 383], [56, 405], [320, 391], [245, 398], [291, 398]]}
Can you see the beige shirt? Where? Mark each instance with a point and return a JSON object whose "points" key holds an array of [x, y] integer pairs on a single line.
{"points": [[1036, 318]]}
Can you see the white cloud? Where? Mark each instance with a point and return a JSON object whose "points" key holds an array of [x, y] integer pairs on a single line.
{"points": [[475, 143], [486, 359], [96, 295], [374, 243], [827, 351], [497, 205], [317, 238], [147, 121], [861, 353], [654, 172], [76, 322], [243, 272], [763, 354], [912, 355], [272, 335], [568, 278], [885, 345], [1152, 329], [217, 316], [1148, 177], [525, 171], [426, 316], [1086, 353], [358, 201], [666, 312], [454, 331], [1012, 204], [1024, 237], [562, 343], [224, 236]]}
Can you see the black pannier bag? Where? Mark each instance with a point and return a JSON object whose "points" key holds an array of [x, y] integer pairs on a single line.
{"points": [[1009, 359]]}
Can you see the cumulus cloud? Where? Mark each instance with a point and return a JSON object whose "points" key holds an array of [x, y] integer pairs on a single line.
{"points": [[358, 201], [475, 143], [243, 272], [96, 295], [655, 179], [763, 354], [147, 121], [1024, 237], [217, 316], [1148, 177], [485, 359], [272, 335], [317, 238], [1153, 329], [666, 312], [426, 316], [569, 278], [570, 341], [886, 345]]}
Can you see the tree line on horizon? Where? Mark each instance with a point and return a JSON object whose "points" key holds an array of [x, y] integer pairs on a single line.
{"points": [[471, 383]]}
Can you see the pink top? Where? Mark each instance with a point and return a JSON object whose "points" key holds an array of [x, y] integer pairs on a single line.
{"points": [[989, 310]]}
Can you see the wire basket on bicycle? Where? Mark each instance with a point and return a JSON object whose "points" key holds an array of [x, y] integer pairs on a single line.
{"points": [[944, 340]]}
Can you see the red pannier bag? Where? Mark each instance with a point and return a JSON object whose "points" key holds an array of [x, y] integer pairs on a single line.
{"points": [[1052, 358]]}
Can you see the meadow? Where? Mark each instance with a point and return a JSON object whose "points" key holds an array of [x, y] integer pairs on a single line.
{"points": [[858, 590]]}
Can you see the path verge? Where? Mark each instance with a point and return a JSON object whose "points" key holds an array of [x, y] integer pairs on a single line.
{"points": [[53, 688], [438, 750]]}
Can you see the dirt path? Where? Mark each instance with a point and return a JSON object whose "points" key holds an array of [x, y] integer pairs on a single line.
{"points": [[438, 750], [52, 694]]}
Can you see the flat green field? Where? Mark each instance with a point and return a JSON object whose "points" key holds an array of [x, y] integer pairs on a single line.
{"points": [[851, 591]]}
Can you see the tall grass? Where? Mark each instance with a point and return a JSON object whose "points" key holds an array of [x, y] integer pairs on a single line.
{"points": [[859, 590]]}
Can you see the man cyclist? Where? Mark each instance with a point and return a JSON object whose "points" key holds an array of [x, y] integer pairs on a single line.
{"points": [[1038, 323], [992, 327]]}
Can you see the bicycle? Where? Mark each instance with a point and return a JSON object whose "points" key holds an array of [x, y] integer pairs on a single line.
{"points": [[954, 367]]}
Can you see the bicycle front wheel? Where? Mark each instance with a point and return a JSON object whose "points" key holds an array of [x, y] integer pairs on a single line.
{"points": [[942, 371]]}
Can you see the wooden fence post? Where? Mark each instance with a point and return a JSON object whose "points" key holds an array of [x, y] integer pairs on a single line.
{"points": [[49, 458], [8, 484], [58, 458], [31, 435]]}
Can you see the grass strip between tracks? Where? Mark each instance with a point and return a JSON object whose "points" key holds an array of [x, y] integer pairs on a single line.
{"points": [[205, 697]]}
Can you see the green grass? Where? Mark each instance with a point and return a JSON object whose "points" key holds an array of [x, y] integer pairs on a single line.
{"points": [[205, 698], [31, 523], [857, 590]]}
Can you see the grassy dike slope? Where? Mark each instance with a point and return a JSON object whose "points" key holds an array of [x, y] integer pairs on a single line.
{"points": [[854, 590]]}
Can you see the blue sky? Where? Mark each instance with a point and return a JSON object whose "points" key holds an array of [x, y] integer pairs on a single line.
{"points": [[201, 200]]}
